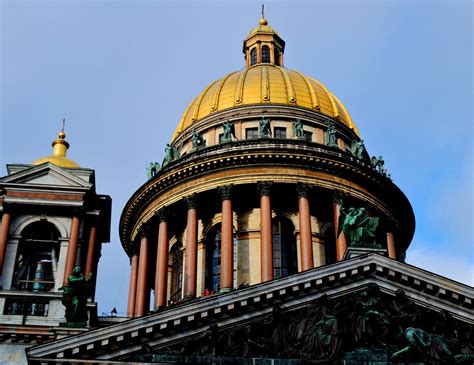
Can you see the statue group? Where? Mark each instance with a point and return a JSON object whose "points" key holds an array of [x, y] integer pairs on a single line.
{"points": [[358, 227], [366, 322], [358, 149], [171, 154], [331, 139], [264, 128], [229, 132], [152, 169], [197, 140], [298, 129]]}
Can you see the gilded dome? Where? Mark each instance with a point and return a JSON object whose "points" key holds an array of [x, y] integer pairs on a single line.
{"points": [[58, 157], [265, 84]]}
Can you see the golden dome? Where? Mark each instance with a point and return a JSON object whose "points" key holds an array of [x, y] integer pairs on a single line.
{"points": [[264, 84], [58, 157]]}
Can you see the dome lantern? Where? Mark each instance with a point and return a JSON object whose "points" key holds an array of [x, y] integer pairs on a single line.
{"points": [[263, 45]]}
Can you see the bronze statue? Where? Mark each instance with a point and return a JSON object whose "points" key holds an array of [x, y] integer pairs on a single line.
{"points": [[331, 139], [298, 129], [358, 149], [171, 154], [197, 140], [229, 132], [75, 294], [264, 130], [152, 169], [359, 229]]}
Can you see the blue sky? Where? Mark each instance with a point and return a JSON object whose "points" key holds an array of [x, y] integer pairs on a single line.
{"points": [[123, 72]]}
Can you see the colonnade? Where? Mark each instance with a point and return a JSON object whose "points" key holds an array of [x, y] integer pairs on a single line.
{"points": [[139, 293]]}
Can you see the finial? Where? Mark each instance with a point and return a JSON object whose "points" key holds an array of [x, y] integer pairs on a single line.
{"points": [[61, 134], [263, 21]]}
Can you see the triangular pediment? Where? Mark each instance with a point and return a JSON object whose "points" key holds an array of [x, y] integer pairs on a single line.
{"points": [[46, 174], [238, 313]]}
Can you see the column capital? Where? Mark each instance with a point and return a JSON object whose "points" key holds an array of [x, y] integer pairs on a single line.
{"points": [[337, 197], [303, 190], [143, 231], [264, 188], [7, 208], [225, 191], [191, 201], [163, 214], [78, 212]]}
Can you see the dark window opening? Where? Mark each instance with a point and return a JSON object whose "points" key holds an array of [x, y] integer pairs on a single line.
{"points": [[251, 133], [176, 273], [279, 132], [37, 258], [265, 54], [277, 57], [253, 56], [308, 136], [213, 260], [330, 246], [284, 248]]}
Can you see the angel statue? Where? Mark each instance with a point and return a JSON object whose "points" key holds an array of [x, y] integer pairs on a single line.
{"points": [[75, 294], [152, 169], [331, 140], [265, 130], [358, 149], [229, 132], [298, 130], [359, 229]]}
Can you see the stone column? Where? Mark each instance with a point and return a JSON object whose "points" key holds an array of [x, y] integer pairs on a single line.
{"points": [[392, 253], [227, 240], [91, 250], [142, 291], [132, 288], [161, 275], [190, 274], [341, 244], [266, 242], [4, 231], [72, 246], [306, 244]]}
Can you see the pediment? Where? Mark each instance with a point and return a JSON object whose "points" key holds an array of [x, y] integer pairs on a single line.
{"points": [[329, 293], [45, 175]]}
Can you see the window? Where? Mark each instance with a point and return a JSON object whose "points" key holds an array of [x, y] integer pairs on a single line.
{"points": [[279, 132], [221, 137], [37, 258], [284, 248], [329, 246], [251, 133], [213, 264], [253, 56], [176, 272], [265, 54], [308, 136]]}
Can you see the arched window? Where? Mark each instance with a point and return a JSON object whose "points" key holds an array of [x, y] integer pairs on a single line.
{"points": [[253, 56], [284, 248], [176, 286], [266, 54], [213, 260], [37, 258]]}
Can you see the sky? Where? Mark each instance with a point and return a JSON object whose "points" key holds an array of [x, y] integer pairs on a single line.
{"points": [[123, 72]]}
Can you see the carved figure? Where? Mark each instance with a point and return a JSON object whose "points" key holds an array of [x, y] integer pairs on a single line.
{"points": [[431, 348], [229, 131], [197, 140], [359, 229], [358, 149], [378, 164], [331, 139], [171, 154], [264, 130], [298, 129], [152, 169], [75, 294]]}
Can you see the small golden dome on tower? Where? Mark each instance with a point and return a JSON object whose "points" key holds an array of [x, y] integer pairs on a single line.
{"points": [[60, 146]]}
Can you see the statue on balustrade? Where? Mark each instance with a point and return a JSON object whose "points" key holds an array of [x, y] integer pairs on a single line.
{"points": [[358, 149], [264, 128], [152, 169], [359, 229], [197, 140], [75, 294], [298, 129], [171, 154], [229, 132], [331, 139]]}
